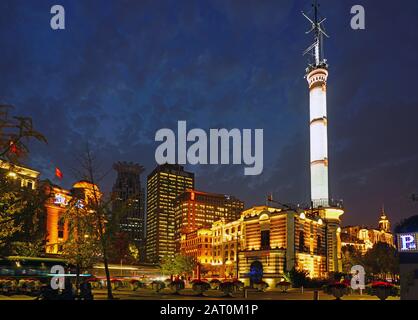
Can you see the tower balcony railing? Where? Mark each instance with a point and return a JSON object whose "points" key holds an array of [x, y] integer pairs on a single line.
{"points": [[312, 66], [326, 203]]}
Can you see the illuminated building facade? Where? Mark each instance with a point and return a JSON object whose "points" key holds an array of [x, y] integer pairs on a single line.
{"points": [[264, 240], [57, 230], [228, 239], [128, 199], [363, 238], [197, 209], [164, 185], [277, 240], [215, 248], [24, 176], [198, 244], [56, 227]]}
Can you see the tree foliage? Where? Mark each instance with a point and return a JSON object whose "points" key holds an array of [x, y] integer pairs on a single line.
{"points": [[121, 248], [382, 259], [82, 248], [179, 265], [298, 278], [22, 217], [15, 132], [350, 257], [99, 210], [22, 210], [407, 225]]}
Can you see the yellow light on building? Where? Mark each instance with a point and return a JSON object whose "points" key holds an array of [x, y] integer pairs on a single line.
{"points": [[12, 175]]}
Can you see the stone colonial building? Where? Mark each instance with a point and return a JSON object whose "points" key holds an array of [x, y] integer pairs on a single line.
{"points": [[364, 238], [55, 229], [265, 242]]}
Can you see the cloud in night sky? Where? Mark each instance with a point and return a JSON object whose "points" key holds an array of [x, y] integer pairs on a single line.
{"points": [[124, 69]]}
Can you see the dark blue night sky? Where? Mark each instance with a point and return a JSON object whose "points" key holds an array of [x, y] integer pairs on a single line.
{"points": [[124, 69]]}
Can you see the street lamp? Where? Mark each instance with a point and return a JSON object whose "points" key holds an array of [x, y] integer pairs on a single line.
{"points": [[238, 238]]}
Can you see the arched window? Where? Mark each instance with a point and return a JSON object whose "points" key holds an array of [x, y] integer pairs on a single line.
{"points": [[301, 241], [265, 240], [318, 244]]}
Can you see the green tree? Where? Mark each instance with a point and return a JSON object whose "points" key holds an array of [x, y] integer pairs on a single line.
{"points": [[15, 132], [167, 267], [381, 260], [407, 225], [298, 278], [99, 207], [180, 265], [21, 209], [82, 248], [122, 249], [350, 257], [184, 264], [22, 218], [134, 251]]}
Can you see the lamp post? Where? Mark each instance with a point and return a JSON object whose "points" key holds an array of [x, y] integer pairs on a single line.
{"points": [[237, 237], [236, 253]]}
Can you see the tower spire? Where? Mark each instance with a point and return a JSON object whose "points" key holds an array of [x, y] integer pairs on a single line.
{"points": [[317, 75], [384, 223], [316, 49]]}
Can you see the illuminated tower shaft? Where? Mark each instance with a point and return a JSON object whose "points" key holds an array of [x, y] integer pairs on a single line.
{"points": [[317, 80], [317, 75]]}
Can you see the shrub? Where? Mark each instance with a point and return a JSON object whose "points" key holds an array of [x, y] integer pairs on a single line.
{"points": [[115, 283], [200, 286], [227, 287], [283, 285], [298, 278], [177, 285], [136, 284], [238, 284], [337, 289], [214, 283], [382, 289], [261, 285], [157, 285]]}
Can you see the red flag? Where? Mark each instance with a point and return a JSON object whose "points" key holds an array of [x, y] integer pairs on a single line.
{"points": [[58, 173], [14, 148]]}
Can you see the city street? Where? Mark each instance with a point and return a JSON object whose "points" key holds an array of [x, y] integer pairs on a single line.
{"points": [[143, 294]]}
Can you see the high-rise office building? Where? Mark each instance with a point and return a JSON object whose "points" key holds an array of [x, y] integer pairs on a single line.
{"points": [[197, 209], [164, 185], [129, 202]]}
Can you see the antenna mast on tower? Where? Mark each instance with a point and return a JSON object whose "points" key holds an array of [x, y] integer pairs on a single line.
{"points": [[316, 49]]}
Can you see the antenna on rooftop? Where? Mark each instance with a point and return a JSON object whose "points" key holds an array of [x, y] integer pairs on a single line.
{"points": [[316, 49]]}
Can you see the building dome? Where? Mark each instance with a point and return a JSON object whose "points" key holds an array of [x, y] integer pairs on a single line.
{"points": [[87, 190], [384, 224]]}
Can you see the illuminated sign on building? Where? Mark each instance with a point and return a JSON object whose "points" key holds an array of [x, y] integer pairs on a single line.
{"points": [[79, 204], [407, 242], [60, 200]]}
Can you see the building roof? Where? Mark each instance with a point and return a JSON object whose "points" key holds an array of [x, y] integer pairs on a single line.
{"points": [[19, 169]]}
